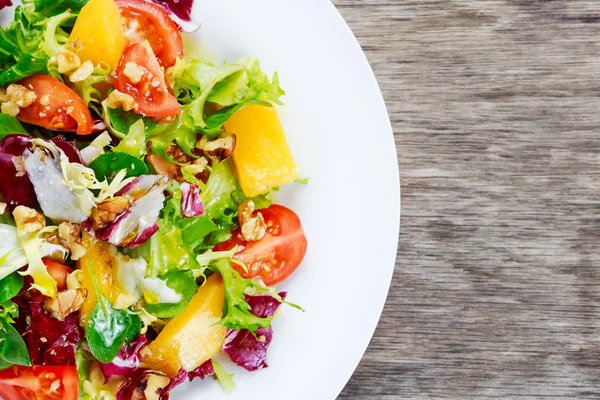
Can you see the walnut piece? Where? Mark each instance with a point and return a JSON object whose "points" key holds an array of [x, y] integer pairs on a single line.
{"points": [[107, 211], [19, 164], [162, 167], [117, 99], [67, 61], [177, 154], [133, 72], [219, 149], [82, 73], [70, 237], [28, 220], [20, 95], [64, 303], [10, 108], [150, 386], [253, 227], [198, 166]]}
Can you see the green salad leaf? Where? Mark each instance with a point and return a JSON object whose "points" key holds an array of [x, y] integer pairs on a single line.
{"points": [[87, 89], [28, 43], [237, 313], [10, 286], [107, 328], [10, 125], [12, 347], [184, 283], [225, 378], [119, 121], [135, 141], [229, 85], [54, 7], [108, 165]]}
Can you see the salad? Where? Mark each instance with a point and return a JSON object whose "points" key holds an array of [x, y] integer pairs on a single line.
{"points": [[139, 242]]}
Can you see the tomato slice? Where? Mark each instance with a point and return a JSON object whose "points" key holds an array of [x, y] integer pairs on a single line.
{"points": [[39, 383], [151, 93], [58, 272], [57, 106], [143, 20], [274, 257]]}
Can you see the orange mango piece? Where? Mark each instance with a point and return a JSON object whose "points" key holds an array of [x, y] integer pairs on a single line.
{"points": [[262, 158], [194, 336], [98, 28], [100, 259]]}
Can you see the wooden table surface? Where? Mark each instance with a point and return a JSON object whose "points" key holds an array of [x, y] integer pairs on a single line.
{"points": [[496, 113]]}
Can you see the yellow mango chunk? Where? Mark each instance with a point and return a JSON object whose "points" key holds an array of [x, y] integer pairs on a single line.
{"points": [[100, 257], [194, 336], [262, 158], [98, 28]]}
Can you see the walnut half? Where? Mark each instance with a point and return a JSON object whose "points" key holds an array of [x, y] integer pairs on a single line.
{"points": [[253, 227], [219, 149], [28, 220], [107, 211], [64, 303], [70, 237]]}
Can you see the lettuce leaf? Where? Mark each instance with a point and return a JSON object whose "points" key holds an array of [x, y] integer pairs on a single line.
{"points": [[54, 7], [29, 42], [237, 312], [86, 89], [9, 125], [229, 85]]}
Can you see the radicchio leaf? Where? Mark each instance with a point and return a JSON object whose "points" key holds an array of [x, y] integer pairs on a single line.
{"points": [[191, 202], [203, 371], [50, 341], [246, 349], [128, 359], [15, 186], [5, 3], [139, 222], [181, 13]]}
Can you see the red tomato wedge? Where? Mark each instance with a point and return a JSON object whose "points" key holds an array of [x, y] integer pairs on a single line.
{"points": [[58, 272], [39, 383], [143, 20], [151, 93], [274, 257], [57, 106]]}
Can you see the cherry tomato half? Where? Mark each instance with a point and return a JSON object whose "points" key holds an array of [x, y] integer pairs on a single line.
{"points": [[274, 257], [57, 106], [143, 20], [151, 93], [39, 383]]}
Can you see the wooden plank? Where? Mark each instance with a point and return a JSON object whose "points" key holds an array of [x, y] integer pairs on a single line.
{"points": [[495, 106]]}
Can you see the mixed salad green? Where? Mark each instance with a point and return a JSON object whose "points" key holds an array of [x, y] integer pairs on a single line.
{"points": [[139, 239]]}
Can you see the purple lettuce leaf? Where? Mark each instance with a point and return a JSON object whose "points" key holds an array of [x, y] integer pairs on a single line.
{"points": [[245, 349], [201, 372], [50, 341], [181, 13], [191, 202], [15, 186], [5, 3], [128, 359], [139, 222]]}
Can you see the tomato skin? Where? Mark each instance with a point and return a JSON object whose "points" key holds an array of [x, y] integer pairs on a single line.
{"points": [[35, 383], [58, 272], [61, 99], [152, 94], [274, 257], [143, 20]]}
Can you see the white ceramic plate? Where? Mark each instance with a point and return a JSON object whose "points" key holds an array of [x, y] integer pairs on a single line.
{"points": [[339, 131]]}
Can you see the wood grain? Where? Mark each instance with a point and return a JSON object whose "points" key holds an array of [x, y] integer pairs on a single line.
{"points": [[496, 113]]}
